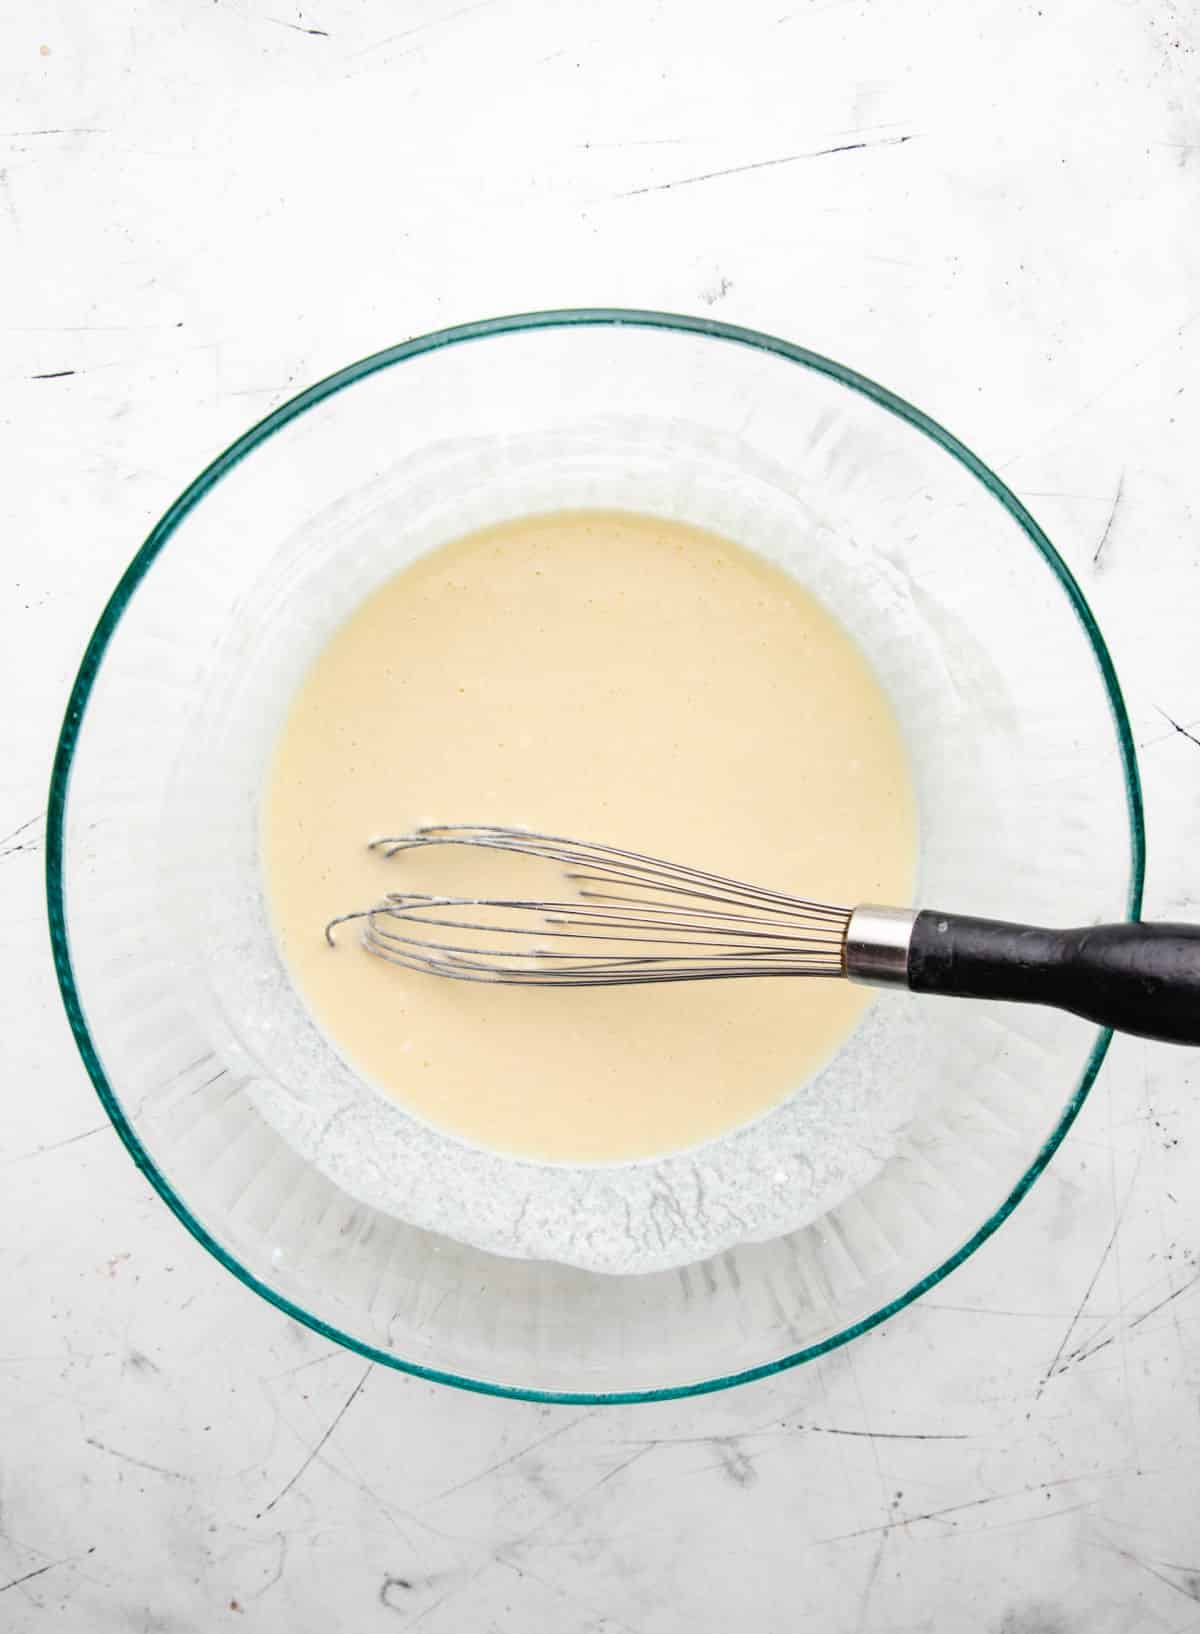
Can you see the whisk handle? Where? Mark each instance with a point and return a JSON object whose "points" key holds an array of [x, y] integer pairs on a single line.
{"points": [[1136, 978]]}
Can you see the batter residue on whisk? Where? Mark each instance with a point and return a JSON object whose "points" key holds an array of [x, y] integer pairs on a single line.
{"points": [[621, 678]]}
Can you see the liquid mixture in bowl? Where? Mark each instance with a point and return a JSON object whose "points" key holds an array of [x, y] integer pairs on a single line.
{"points": [[620, 678]]}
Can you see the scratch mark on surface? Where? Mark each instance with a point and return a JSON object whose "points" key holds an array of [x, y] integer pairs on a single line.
{"points": [[954, 1509], [451, 1592], [1083, 1352], [992, 1527], [16, 1582], [12, 842], [301, 1367], [282, 22], [57, 1145], [1190, 1283], [603, 1620], [420, 28], [1182, 730], [337, 1419], [1176, 333], [71, 1357], [568, 1505], [198, 1089], [27, 1577], [887, 1435], [888, 1502], [282, 1540], [1062, 493], [644, 142], [1189, 1588], [141, 1463], [771, 1431], [869, 1586], [993, 1310], [512, 1458], [1073, 1323], [1164, 737], [400, 1519], [1108, 525], [54, 374], [765, 164]]}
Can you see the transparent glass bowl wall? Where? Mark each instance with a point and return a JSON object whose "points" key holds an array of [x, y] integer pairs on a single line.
{"points": [[1036, 817]]}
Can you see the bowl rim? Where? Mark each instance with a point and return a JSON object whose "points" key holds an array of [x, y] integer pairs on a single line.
{"points": [[156, 541]]}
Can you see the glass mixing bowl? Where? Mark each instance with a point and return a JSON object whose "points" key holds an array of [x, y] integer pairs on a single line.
{"points": [[1022, 756]]}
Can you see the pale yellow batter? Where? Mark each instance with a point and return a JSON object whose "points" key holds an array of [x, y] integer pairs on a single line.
{"points": [[617, 678]]}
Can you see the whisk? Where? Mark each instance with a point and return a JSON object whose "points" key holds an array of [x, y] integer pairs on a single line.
{"points": [[634, 919]]}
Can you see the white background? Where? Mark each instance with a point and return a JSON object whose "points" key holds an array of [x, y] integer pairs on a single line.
{"points": [[993, 208]]}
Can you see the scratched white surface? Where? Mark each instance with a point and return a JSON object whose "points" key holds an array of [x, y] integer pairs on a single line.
{"points": [[992, 207]]}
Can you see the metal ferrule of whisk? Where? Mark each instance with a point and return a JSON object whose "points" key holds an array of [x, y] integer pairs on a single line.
{"points": [[878, 941]]}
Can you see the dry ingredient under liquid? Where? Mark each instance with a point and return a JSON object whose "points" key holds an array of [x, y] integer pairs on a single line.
{"points": [[620, 678]]}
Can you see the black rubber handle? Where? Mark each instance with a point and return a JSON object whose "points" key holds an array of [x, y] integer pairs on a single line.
{"points": [[1136, 978]]}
